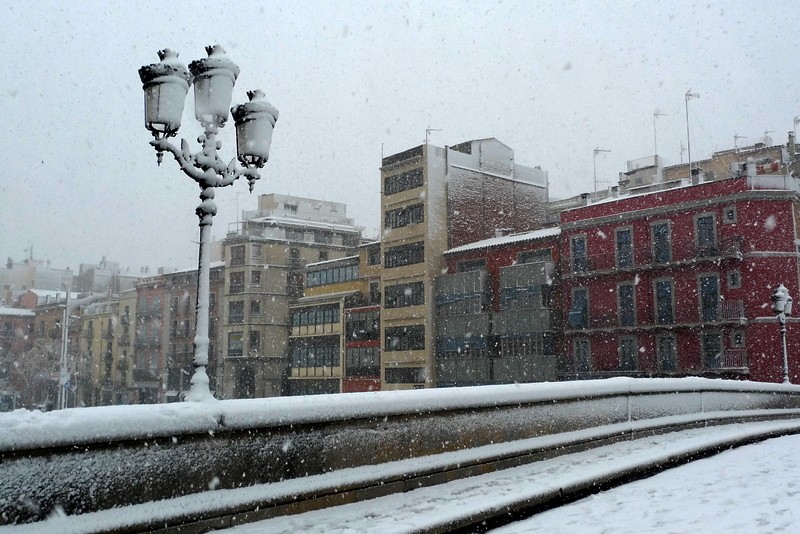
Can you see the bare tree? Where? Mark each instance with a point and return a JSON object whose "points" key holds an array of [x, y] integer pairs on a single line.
{"points": [[31, 372]]}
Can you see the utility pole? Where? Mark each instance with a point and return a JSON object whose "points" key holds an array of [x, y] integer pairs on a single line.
{"points": [[595, 152], [736, 138]]}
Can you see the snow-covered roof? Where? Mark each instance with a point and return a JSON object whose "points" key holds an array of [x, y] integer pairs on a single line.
{"points": [[213, 265], [509, 177], [335, 260], [326, 296], [305, 223], [508, 239], [44, 293], [18, 312]]}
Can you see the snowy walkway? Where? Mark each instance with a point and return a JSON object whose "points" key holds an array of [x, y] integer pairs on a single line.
{"points": [[440, 505]]}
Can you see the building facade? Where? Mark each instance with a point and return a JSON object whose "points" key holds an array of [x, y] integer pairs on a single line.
{"points": [[497, 320], [264, 261], [678, 282], [434, 199]]}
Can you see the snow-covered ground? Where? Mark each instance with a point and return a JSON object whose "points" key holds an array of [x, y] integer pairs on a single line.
{"points": [[753, 489]]}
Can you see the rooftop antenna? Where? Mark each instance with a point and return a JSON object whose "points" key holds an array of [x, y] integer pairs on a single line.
{"points": [[595, 152], [428, 130], [796, 121], [736, 138], [688, 96], [683, 149], [656, 114]]}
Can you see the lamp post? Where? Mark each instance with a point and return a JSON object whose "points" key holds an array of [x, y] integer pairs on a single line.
{"points": [[165, 86], [782, 306]]}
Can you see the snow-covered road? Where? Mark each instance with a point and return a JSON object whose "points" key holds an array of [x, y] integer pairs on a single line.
{"points": [[754, 493]]}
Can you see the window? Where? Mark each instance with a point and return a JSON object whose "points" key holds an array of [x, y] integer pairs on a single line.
{"points": [[255, 278], [323, 255], [255, 252], [626, 305], [255, 308], [237, 255], [363, 326], [624, 239], [405, 375], [254, 347], [665, 313], [402, 182], [734, 280], [295, 235], [706, 235], [472, 265], [666, 353], [236, 312], [405, 338], [236, 282], [737, 339], [315, 352], [235, 348], [709, 298], [212, 301], [363, 361], [404, 255], [316, 316], [533, 256], [582, 355], [628, 349], [579, 312], [711, 344], [580, 262], [729, 215], [403, 295], [323, 237], [662, 247], [331, 275], [374, 255], [400, 217], [374, 293], [290, 208]]}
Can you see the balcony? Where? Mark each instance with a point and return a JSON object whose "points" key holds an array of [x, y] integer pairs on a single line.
{"points": [[144, 375], [461, 326], [644, 257], [727, 360], [731, 310], [147, 341], [523, 321]]}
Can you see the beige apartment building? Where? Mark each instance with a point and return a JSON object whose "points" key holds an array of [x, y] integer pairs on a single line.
{"points": [[264, 260], [433, 199]]}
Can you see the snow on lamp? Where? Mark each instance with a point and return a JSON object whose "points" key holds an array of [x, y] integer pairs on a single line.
{"points": [[214, 78], [165, 85], [255, 121]]}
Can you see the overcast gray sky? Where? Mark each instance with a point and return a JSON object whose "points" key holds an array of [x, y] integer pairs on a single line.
{"points": [[553, 80]]}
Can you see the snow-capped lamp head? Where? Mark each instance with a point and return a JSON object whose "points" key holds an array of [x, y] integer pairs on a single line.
{"points": [[165, 86], [781, 301], [214, 78], [255, 122]]}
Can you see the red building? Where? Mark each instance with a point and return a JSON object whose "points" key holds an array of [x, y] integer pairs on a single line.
{"points": [[497, 320], [678, 282]]}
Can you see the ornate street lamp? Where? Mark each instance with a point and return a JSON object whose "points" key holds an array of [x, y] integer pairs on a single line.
{"points": [[782, 306], [165, 86]]}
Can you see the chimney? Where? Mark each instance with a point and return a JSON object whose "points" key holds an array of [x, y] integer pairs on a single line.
{"points": [[502, 232], [695, 176], [792, 146]]}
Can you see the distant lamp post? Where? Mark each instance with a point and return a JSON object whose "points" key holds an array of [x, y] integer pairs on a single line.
{"points": [[165, 86], [595, 152], [782, 306]]}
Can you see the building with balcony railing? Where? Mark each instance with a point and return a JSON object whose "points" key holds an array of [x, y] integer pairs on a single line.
{"points": [[676, 281], [265, 255], [334, 342], [496, 318]]}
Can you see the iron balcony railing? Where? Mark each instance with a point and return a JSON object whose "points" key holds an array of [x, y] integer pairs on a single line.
{"points": [[645, 256]]}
